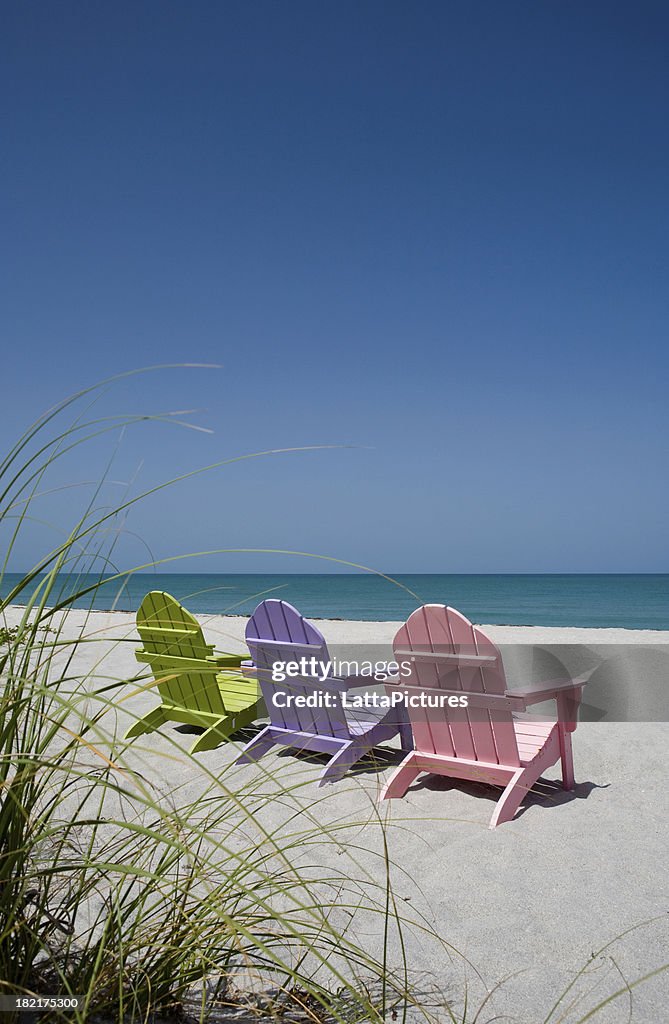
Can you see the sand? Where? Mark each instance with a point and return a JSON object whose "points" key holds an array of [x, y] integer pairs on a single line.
{"points": [[529, 903]]}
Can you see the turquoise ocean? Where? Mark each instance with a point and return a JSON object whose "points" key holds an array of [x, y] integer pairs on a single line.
{"points": [[631, 601]]}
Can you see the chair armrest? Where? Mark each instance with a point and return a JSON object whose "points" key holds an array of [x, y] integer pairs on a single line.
{"points": [[566, 692], [225, 660], [251, 671], [357, 682], [536, 692]]}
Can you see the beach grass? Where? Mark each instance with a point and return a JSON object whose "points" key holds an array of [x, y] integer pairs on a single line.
{"points": [[151, 901], [134, 898]]}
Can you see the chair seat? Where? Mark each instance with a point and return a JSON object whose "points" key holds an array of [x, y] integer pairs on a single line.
{"points": [[374, 717], [532, 734], [359, 726], [239, 702]]}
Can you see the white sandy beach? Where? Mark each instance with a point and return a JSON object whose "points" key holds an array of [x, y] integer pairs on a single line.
{"points": [[529, 903]]}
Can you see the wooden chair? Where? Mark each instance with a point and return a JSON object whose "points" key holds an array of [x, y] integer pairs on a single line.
{"points": [[490, 739], [276, 632], [196, 686]]}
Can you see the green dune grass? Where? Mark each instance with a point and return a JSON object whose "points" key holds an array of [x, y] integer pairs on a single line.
{"points": [[146, 901]]}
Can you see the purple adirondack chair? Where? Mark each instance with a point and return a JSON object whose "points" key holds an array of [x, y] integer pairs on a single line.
{"points": [[490, 739], [277, 632]]}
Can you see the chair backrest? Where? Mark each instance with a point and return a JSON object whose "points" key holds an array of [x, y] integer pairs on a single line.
{"points": [[175, 649], [166, 628], [276, 632], [447, 653]]}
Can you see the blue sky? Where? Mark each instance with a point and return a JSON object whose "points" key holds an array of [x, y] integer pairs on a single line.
{"points": [[435, 232]]}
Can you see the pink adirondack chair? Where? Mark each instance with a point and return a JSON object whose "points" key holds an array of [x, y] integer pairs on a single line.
{"points": [[490, 739], [277, 632]]}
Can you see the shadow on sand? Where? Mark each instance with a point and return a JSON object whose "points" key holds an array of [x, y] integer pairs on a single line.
{"points": [[544, 792]]}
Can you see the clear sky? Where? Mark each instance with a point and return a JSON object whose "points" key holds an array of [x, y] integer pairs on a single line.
{"points": [[435, 231]]}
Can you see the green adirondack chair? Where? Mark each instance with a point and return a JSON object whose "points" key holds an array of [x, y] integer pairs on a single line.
{"points": [[197, 687]]}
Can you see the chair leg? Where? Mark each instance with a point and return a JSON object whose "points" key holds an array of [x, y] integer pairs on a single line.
{"points": [[149, 723], [517, 788], [212, 737], [401, 779], [338, 765], [258, 746], [406, 735], [566, 757]]}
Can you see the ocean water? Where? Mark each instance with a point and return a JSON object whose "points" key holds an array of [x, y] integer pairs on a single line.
{"points": [[631, 601]]}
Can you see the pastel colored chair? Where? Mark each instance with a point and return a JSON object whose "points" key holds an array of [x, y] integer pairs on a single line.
{"points": [[489, 740], [276, 632], [196, 686]]}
